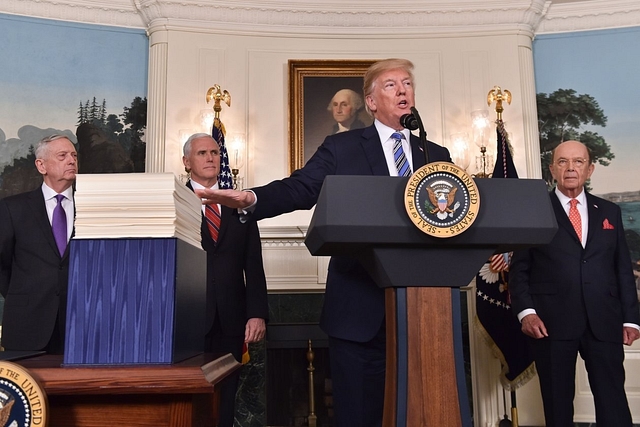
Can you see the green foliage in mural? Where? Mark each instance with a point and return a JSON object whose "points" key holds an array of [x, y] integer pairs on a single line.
{"points": [[561, 117]]}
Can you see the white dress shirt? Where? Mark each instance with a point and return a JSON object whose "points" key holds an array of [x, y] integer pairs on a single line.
{"points": [[67, 204], [385, 132]]}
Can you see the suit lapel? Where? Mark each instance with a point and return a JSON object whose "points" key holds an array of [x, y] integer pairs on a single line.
{"points": [[373, 151], [596, 217], [39, 209], [417, 153], [562, 217], [225, 217]]}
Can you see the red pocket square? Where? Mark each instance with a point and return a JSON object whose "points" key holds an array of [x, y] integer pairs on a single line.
{"points": [[606, 225]]}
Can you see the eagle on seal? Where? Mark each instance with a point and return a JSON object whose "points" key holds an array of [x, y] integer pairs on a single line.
{"points": [[441, 201]]}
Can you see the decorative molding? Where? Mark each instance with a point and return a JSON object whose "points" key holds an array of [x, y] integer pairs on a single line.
{"points": [[339, 19], [371, 18], [119, 13], [357, 18], [590, 15]]}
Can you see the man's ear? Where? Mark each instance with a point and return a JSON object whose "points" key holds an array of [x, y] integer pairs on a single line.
{"points": [[370, 103], [40, 166]]}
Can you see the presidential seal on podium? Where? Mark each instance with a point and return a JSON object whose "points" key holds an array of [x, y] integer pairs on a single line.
{"points": [[23, 402], [441, 199]]}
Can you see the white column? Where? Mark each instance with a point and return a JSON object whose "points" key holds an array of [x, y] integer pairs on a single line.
{"points": [[157, 101], [529, 107]]}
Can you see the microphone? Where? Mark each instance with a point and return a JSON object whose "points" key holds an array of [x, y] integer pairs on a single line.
{"points": [[412, 122], [409, 121]]}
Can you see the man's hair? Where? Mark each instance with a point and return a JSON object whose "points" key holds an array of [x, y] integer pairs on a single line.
{"points": [[186, 149], [42, 147], [356, 99], [377, 68]]}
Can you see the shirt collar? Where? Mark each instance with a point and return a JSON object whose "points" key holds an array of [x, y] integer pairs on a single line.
{"points": [[198, 186], [564, 200], [385, 131], [49, 193]]}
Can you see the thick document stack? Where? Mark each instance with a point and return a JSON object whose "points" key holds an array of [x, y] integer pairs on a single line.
{"points": [[136, 205], [137, 272]]}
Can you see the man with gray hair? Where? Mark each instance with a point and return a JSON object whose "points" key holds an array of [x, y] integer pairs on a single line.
{"points": [[35, 228], [237, 306]]}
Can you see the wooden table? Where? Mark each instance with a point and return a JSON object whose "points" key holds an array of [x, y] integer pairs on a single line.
{"points": [[176, 395]]}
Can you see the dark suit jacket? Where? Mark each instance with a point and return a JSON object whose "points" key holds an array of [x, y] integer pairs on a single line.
{"points": [[571, 287], [237, 256], [353, 304], [33, 276]]}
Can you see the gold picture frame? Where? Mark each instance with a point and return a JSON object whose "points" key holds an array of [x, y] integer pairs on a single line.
{"points": [[312, 84]]}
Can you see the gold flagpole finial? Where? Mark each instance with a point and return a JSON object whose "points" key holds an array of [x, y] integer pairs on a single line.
{"points": [[216, 94], [498, 95]]}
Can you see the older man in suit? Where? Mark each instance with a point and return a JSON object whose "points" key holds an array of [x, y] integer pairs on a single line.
{"points": [[353, 311], [236, 285], [577, 295], [35, 228]]}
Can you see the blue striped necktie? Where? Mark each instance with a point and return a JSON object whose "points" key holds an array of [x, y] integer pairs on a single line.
{"points": [[399, 158]]}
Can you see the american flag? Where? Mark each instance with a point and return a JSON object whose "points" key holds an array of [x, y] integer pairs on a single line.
{"points": [[225, 180], [497, 324]]}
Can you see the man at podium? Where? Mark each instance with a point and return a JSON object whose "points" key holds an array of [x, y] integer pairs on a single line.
{"points": [[353, 311]]}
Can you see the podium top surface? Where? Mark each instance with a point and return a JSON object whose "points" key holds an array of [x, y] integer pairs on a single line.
{"points": [[361, 212]]}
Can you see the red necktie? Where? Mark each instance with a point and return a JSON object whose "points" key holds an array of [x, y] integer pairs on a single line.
{"points": [[212, 216], [574, 217]]}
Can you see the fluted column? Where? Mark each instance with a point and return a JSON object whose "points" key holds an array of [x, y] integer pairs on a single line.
{"points": [[529, 108], [157, 101]]}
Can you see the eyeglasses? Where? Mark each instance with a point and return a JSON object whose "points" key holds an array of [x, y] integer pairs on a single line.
{"points": [[578, 162]]}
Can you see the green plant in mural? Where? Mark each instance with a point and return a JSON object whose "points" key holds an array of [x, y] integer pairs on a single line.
{"points": [[561, 117], [96, 130]]}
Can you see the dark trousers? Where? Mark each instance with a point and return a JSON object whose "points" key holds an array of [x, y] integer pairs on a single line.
{"points": [[357, 376], [556, 363], [217, 342]]}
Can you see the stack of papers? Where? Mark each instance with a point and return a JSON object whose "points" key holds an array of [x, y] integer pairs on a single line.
{"points": [[136, 205]]}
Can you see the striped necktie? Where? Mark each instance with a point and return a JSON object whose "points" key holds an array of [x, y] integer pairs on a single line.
{"points": [[212, 216], [399, 158]]}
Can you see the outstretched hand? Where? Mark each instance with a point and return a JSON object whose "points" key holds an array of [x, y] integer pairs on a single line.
{"points": [[231, 198]]}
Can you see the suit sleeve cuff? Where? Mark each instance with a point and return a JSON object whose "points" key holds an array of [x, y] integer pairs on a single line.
{"points": [[525, 312]]}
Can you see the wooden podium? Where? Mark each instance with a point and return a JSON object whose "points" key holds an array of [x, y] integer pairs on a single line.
{"points": [[364, 216], [178, 395]]}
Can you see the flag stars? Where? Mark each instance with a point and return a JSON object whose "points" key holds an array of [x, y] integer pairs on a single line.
{"points": [[490, 300]]}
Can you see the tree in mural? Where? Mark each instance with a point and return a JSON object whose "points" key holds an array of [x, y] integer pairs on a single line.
{"points": [[561, 115], [136, 117], [20, 176], [108, 144]]}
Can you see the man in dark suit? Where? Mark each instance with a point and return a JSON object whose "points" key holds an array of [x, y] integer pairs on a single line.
{"points": [[353, 311], [34, 266], [577, 295], [236, 286]]}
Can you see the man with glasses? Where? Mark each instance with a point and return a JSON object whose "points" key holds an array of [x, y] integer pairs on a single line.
{"points": [[577, 295]]}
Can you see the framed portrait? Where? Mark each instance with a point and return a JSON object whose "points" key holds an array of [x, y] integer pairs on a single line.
{"points": [[313, 84]]}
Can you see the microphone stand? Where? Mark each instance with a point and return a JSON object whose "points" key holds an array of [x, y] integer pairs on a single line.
{"points": [[423, 134]]}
